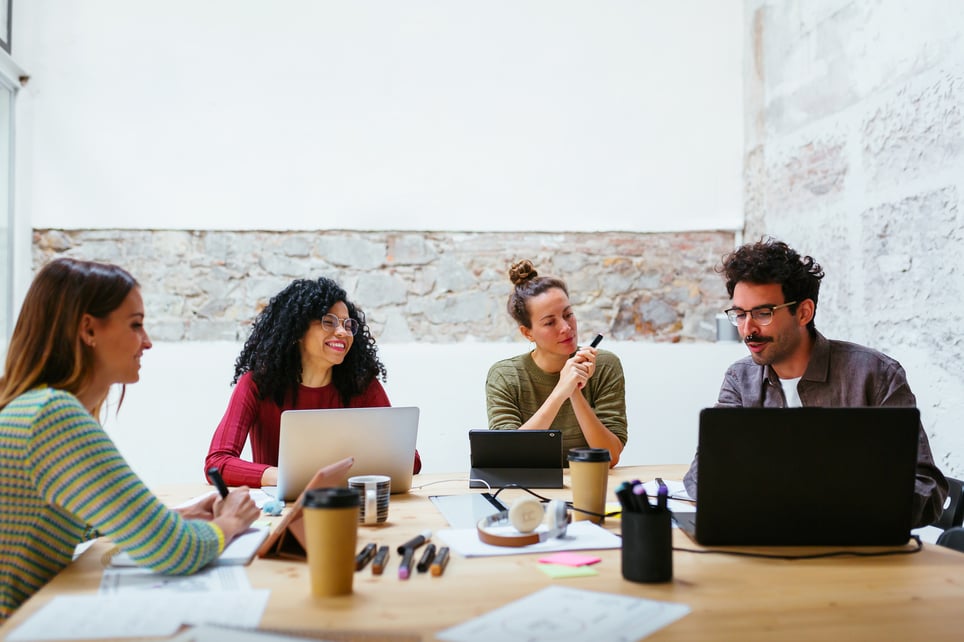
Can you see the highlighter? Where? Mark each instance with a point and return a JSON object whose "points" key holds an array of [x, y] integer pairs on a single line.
{"points": [[405, 566], [381, 558], [415, 542], [426, 559], [365, 556], [438, 566]]}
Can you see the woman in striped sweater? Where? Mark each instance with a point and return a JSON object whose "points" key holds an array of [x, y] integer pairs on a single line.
{"points": [[62, 480]]}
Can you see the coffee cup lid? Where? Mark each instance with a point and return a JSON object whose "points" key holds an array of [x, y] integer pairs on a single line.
{"points": [[331, 498], [589, 454]]}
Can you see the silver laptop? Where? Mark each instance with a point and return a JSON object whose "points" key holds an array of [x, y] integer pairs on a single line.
{"points": [[382, 441]]}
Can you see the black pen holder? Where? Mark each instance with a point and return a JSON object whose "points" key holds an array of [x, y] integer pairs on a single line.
{"points": [[647, 552]]}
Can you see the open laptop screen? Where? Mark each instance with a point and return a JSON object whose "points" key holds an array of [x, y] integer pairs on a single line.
{"points": [[806, 476], [381, 441], [527, 458]]}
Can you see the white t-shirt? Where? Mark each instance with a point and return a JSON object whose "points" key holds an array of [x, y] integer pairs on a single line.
{"points": [[790, 392]]}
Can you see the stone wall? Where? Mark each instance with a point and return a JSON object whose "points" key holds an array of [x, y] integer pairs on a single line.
{"points": [[855, 155], [436, 287]]}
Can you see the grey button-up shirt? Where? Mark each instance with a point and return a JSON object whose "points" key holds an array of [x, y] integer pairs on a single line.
{"points": [[839, 374]]}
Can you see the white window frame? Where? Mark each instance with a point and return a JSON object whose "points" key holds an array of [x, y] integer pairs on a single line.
{"points": [[11, 77]]}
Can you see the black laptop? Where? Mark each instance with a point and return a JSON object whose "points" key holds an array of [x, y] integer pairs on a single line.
{"points": [[527, 458], [804, 476]]}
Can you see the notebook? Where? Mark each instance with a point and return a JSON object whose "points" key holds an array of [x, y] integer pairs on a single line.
{"points": [[804, 476], [381, 441], [239, 551], [527, 458]]}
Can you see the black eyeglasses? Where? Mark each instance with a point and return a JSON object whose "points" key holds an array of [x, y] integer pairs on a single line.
{"points": [[762, 314], [330, 323]]}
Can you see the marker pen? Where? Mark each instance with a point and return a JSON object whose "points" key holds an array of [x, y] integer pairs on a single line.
{"points": [[405, 567], [595, 342], [215, 476], [438, 566], [381, 558], [642, 502], [624, 492], [365, 556], [415, 542], [662, 494], [427, 558]]}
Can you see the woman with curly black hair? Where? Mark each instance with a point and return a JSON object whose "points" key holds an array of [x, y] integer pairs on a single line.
{"points": [[309, 348]]}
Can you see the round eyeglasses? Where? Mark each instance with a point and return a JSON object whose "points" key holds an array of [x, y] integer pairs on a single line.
{"points": [[330, 323], [763, 314]]}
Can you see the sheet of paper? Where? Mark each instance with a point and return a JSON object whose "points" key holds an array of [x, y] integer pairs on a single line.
{"points": [[213, 578], [561, 614], [464, 510], [209, 633], [583, 535], [928, 534], [240, 551], [674, 486], [139, 614], [679, 499]]}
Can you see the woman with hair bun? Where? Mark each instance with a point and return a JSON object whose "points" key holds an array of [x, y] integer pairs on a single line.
{"points": [[309, 348], [578, 390]]}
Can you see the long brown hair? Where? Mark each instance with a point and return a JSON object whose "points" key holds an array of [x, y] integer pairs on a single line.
{"points": [[46, 346]]}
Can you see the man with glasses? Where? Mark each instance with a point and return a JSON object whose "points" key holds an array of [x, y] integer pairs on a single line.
{"points": [[774, 300]]}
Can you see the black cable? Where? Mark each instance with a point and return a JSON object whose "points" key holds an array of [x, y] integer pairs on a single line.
{"points": [[546, 500]]}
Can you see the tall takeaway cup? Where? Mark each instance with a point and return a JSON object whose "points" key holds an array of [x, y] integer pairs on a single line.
{"points": [[331, 533], [589, 475]]}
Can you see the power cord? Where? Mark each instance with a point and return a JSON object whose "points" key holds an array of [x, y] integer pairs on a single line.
{"points": [[546, 500], [445, 481]]}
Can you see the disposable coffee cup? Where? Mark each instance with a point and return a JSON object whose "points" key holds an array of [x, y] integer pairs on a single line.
{"points": [[375, 491], [331, 535], [589, 476]]}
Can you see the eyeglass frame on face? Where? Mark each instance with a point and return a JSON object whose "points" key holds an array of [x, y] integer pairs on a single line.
{"points": [[762, 314], [330, 323]]}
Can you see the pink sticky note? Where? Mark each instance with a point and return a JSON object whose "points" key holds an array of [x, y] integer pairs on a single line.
{"points": [[569, 559]]}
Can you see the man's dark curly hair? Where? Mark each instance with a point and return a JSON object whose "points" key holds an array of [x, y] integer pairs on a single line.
{"points": [[771, 261], [272, 353]]}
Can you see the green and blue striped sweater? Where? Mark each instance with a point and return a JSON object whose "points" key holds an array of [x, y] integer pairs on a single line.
{"points": [[61, 477]]}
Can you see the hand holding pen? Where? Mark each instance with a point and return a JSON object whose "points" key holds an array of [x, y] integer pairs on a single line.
{"points": [[234, 511], [583, 363]]}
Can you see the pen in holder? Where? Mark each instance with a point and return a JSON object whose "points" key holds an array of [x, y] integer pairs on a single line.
{"points": [[647, 552]]}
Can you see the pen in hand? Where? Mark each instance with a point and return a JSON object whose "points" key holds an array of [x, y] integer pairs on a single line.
{"points": [[595, 342], [215, 477]]}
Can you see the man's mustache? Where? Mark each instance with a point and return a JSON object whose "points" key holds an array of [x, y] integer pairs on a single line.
{"points": [[756, 338]]}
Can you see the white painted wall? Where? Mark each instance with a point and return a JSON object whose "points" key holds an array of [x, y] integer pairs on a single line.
{"points": [[167, 419], [558, 115]]}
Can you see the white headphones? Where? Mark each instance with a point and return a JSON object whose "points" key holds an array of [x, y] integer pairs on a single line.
{"points": [[525, 515]]}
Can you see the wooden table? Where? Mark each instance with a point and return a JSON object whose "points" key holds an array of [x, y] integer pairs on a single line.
{"points": [[903, 597]]}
